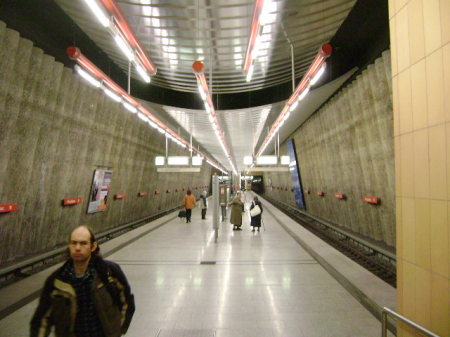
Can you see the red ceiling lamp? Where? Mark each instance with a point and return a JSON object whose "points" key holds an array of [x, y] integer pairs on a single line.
{"points": [[112, 18], [203, 89], [314, 72], [99, 79]]}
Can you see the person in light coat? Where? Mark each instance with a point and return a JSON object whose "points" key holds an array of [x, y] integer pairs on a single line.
{"points": [[236, 211]]}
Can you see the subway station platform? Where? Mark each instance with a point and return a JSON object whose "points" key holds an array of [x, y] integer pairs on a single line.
{"points": [[281, 281]]}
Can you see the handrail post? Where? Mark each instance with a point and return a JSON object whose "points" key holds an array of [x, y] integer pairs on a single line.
{"points": [[384, 324]]}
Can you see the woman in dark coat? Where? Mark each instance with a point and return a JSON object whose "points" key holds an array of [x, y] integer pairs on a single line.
{"points": [[236, 211], [255, 221]]}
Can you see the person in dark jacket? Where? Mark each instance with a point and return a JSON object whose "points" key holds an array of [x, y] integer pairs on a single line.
{"points": [[87, 296], [255, 221]]}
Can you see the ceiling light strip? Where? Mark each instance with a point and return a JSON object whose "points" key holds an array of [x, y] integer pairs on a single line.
{"points": [[299, 93], [122, 24], [254, 33], [99, 76], [197, 66]]}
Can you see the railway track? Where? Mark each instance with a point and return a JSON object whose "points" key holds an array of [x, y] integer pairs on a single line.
{"points": [[377, 260]]}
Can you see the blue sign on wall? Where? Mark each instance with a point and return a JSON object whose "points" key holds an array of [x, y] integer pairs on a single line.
{"points": [[295, 174]]}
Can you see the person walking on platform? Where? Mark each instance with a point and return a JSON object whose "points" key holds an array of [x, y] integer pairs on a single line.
{"points": [[204, 204], [87, 296], [236, 211], [255, 214], [189, 203]]}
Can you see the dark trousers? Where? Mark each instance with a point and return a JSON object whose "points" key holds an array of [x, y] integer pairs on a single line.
{"points": [[188, 215], [203, 213]]}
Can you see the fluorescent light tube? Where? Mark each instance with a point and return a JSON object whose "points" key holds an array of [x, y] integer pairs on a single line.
{"points": [[293, 106], [250, 73], [112, 95], [197, 161], [141, 71], [285, 160], [286, 116], [129, 107], [159, 161], [248, 160], [316, 77], [124, 47], [98, 12], [266, 160], [303, 94], [178, 160], [87, 76], [142, 116]]}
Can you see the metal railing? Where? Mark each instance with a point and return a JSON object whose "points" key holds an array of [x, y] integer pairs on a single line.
{"points": [[384, 315]]}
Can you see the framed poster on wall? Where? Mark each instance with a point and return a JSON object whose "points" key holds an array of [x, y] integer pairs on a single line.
{"points": [[99, 191], [295, 174]]}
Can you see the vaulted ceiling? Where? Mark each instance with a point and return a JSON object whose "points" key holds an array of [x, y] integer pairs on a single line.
{"points": [[175, 33]]}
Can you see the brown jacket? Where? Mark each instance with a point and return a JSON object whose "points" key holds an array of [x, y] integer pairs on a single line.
{"points": [[236, 212], [58, 303], [189, 201]]}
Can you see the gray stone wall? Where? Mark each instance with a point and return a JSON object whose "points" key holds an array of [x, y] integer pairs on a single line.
{"points": [[55, 131], [347, 147]]}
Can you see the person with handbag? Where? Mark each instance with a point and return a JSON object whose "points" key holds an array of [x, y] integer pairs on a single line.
{"points": [[255, 214]]}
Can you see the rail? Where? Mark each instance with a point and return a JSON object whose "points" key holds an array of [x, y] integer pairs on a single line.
{"points": [[34, 264], [379, 261], [393, 314]]}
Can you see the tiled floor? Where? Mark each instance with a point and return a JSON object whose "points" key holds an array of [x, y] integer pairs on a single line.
{"points": [[261, 285]]}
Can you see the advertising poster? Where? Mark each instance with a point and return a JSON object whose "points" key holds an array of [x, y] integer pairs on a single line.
{"points": [[295, 175], [99, 191]]}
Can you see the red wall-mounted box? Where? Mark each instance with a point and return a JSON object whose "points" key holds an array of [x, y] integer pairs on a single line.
{"points": [[371, 200], [120, 196], [306, 191], [5, 208], [72, 201], [176, 190], [157, 191], [320, 193], [339, 196], [169, 191], [142, 194]]}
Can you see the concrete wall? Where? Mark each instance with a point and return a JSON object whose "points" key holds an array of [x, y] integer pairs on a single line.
{"points": [[420, 40], [56, 130], [347, 147]]}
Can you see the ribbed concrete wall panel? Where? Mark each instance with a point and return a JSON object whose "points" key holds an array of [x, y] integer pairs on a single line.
{"points": [[347, 147], [56, 130]]}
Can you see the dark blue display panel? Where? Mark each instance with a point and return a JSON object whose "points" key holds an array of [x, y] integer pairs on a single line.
{"points": [[295, 174]]}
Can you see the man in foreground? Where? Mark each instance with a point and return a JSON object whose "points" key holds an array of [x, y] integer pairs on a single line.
{"points": [[87, 297]]}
